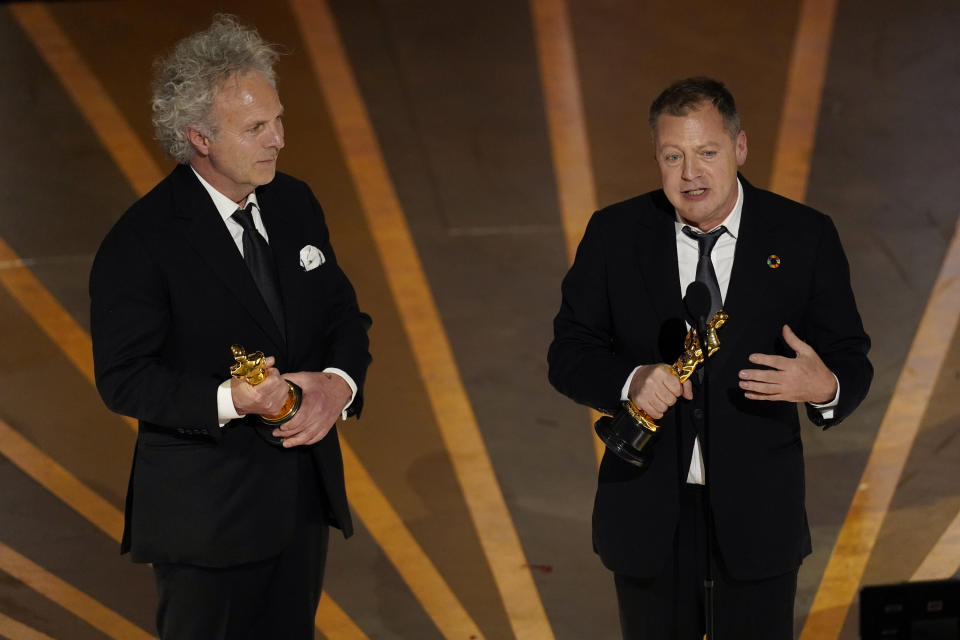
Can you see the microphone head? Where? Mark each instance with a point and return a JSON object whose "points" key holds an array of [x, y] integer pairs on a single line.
{"points": [[697, 301]]}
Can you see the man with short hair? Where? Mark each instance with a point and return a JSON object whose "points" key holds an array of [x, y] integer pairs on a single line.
{"points": [[235, 480], [793, 335]]}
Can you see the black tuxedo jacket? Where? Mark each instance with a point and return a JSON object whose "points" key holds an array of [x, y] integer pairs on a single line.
{"points": [[169, 294], [622, 306]]}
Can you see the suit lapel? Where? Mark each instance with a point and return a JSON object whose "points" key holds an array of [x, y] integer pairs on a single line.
{"points": [[751, 276], [657, 251], [286, 234], [205, 231]]}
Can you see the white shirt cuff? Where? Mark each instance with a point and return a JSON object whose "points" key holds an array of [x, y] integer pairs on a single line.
{"points": [[353, 387], [225, 409], [625, 391], [826, 409]]}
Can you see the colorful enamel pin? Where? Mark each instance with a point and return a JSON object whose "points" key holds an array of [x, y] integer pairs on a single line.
{"points": [[773, 261]]}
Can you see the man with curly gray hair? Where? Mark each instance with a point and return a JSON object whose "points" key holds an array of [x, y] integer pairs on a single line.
{"points": [[236, 479]]}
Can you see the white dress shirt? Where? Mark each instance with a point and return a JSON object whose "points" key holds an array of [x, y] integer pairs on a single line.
{"points": [[688, 253], [227, 207]]}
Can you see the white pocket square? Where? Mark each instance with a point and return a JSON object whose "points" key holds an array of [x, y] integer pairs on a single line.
{"points": [[311, 258]]}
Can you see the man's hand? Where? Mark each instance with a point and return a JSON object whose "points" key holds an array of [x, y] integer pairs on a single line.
{"points": [[654, 389], [324, 397], [801, 379], [266, 398]]}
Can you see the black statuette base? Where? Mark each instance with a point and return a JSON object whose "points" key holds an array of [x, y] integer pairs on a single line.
{"points": [[627, 438]]}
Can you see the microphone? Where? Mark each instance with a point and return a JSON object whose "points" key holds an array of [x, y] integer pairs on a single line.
{"points": [[697, 303]]}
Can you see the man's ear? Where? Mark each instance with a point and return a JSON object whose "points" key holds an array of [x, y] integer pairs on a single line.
{"points": [[741, 145], [200, 142]]}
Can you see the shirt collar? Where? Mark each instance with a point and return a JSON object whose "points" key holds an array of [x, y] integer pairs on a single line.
{"points": [[225, 206], [731, 222]]}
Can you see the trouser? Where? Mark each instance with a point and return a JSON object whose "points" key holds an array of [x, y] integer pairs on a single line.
{"points": [[670, 606], [272, 598]]}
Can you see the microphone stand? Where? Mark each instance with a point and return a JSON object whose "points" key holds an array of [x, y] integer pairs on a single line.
{"points": [[708, 583]]}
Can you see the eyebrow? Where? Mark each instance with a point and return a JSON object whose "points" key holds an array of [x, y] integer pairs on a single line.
{"points": [[259, 122], [673, 145]]}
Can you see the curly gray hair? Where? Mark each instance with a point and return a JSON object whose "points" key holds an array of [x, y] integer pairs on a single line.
{"points": [[188, 79]]}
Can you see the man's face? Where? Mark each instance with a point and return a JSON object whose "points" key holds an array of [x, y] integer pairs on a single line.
{"points": [[242, 155], [698, 162]]}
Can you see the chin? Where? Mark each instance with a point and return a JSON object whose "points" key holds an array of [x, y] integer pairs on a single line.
{"points": [[700, 212], [265, 177]]}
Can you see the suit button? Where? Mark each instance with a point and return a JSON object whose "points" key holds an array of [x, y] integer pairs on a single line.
{"points": [[698, 414]]}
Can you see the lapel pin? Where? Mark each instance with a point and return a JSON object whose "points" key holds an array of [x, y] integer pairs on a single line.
{"points": [[773, 261]]}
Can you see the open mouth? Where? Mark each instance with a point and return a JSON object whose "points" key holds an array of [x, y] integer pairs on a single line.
{"points": [[694, 192]]}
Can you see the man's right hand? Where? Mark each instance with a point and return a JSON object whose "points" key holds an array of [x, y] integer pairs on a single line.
{"points": [[654, 389], [266, 398]]}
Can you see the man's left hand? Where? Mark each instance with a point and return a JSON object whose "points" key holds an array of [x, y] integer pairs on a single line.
{"points": [[801, 379], [324, 397]]}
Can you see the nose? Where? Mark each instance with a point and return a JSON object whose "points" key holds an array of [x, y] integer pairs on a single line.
{"points": [[691, 167], [275, 139]]}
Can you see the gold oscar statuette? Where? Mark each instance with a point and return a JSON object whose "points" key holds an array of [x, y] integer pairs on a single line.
{"points": [[686, 364], [632, 430], [250, 367]]}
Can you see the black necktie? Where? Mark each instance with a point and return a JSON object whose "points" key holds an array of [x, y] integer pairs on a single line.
{"points": [[259, 259], [705, 272], [706, 275]]}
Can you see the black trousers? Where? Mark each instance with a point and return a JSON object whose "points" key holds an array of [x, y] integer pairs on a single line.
{"points": [[273, 598], [670, 606]]}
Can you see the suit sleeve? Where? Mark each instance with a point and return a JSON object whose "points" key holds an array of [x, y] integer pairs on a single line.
{"points": [[833, 327], [129, 325], [345, 326], [583, 359]]}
